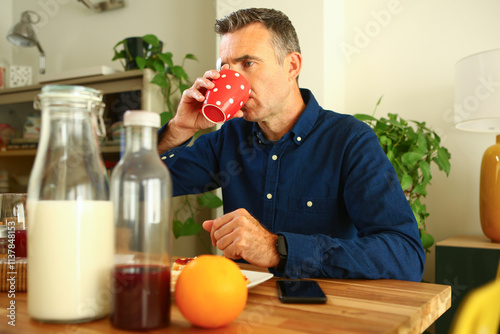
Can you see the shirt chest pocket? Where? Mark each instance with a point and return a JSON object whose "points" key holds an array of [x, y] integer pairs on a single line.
{"points": [[312, 215]]}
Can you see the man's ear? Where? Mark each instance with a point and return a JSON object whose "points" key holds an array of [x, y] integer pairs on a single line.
{"points": [[294, 63]]}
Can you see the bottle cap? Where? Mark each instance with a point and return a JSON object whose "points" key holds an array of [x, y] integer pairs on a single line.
{"points": [[141, 118]]}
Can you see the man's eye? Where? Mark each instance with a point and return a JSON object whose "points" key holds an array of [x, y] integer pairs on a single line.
{"points": [[248, 63]]}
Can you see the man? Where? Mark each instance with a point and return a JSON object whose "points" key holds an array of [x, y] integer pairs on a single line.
{"points": [[307, 192]]}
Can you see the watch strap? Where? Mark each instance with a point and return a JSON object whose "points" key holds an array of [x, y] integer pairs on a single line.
{"points": [[282, 248]]}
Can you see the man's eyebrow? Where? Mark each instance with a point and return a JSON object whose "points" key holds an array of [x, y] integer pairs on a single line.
{"points": [[244, 57], [248, 57]]}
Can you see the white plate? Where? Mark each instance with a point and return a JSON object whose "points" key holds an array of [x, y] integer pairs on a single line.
{"points": [[256, 277]]}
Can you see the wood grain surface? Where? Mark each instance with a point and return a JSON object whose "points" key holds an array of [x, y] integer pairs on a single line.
{"points": [[353, 306]]}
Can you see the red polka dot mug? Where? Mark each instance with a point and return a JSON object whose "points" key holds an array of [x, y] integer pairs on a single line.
{"points": [[230, 93]]}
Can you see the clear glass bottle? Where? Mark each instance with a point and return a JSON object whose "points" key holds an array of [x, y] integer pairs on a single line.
{"points": [[70, 234], [141, 191]]}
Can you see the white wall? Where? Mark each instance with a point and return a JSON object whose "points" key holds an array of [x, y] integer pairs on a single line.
{"points": [[73, 37], [409, 56], [5, 24]]}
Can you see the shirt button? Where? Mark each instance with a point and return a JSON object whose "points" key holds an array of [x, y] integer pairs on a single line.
{"points": [[309, 203], [275, 157], [163, 157], [171, 155], [269, 196], [299, 138]]}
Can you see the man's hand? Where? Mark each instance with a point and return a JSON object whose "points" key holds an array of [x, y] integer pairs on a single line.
{"points": [[188, 120], [241, 236]]}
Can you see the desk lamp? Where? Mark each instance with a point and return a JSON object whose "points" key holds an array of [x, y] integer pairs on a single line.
{"points": [[23, 34], [477, 108]]}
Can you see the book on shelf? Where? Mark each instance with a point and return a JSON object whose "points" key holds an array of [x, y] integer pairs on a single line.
{"points": [[22, 144]]}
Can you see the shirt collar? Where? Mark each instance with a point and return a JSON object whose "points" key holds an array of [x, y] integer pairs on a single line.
{"points": [[303, 125]]}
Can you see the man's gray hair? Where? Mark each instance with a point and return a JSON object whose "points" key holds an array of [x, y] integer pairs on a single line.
{"points": [[283, 36]]}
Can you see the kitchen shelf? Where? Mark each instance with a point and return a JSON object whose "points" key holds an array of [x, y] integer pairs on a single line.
{"points": [[32, 152], [18, 153], [122, 91]]}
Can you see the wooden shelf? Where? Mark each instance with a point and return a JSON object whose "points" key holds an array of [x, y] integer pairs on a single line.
{"points": [[112, 83], [32, 152], [18, 153], [469, 241]]}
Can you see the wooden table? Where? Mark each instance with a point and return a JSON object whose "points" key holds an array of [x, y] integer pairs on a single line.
{"points": [[354, 306]]}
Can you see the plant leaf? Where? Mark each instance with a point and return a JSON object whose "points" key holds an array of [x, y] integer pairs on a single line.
{"points": [[443, 160], [141, 62], [177, 228], [119, 55], [166, 58], [425, 168], [410, 159], [422, 143], [183, 87], [151, 39], [364, 117], [390, 156], [165, 117], [159, 79], [159, 66], [420, 189], [209, 200], [377, 104], [384, 140], [190, 227], [179, 72], [417, 218], [395, 123], [406, 181], [190, 56], [119, 43], [427, 239]]}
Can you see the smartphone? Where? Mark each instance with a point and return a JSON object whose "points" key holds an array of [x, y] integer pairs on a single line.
{"points": [[300, 291]]}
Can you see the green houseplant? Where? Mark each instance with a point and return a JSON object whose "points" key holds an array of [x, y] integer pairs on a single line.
{"points": [[146, 52], [171, 78], [411, 147]]}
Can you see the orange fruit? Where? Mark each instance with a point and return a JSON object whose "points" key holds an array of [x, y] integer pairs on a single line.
{"points": [[211, 291]]}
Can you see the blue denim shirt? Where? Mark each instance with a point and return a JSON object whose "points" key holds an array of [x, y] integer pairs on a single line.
{"points": [[327, 186]]}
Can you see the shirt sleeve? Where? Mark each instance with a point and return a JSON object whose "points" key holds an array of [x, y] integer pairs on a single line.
{"points": [[387, 244], [194, 171]]}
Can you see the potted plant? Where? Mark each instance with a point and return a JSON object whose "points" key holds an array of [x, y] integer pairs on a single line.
{"points": [[411, 147], [146, 53], [172, 79]]}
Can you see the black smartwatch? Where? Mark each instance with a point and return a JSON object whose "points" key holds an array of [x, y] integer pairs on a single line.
{"points": [[282, 251]]}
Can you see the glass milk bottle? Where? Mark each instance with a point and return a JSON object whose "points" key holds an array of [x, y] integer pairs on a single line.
{"points": [[70, 234], [141, 191]]}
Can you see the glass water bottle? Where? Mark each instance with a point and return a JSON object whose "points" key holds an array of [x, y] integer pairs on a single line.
{"points": [[70, 235], [141, 191]]}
